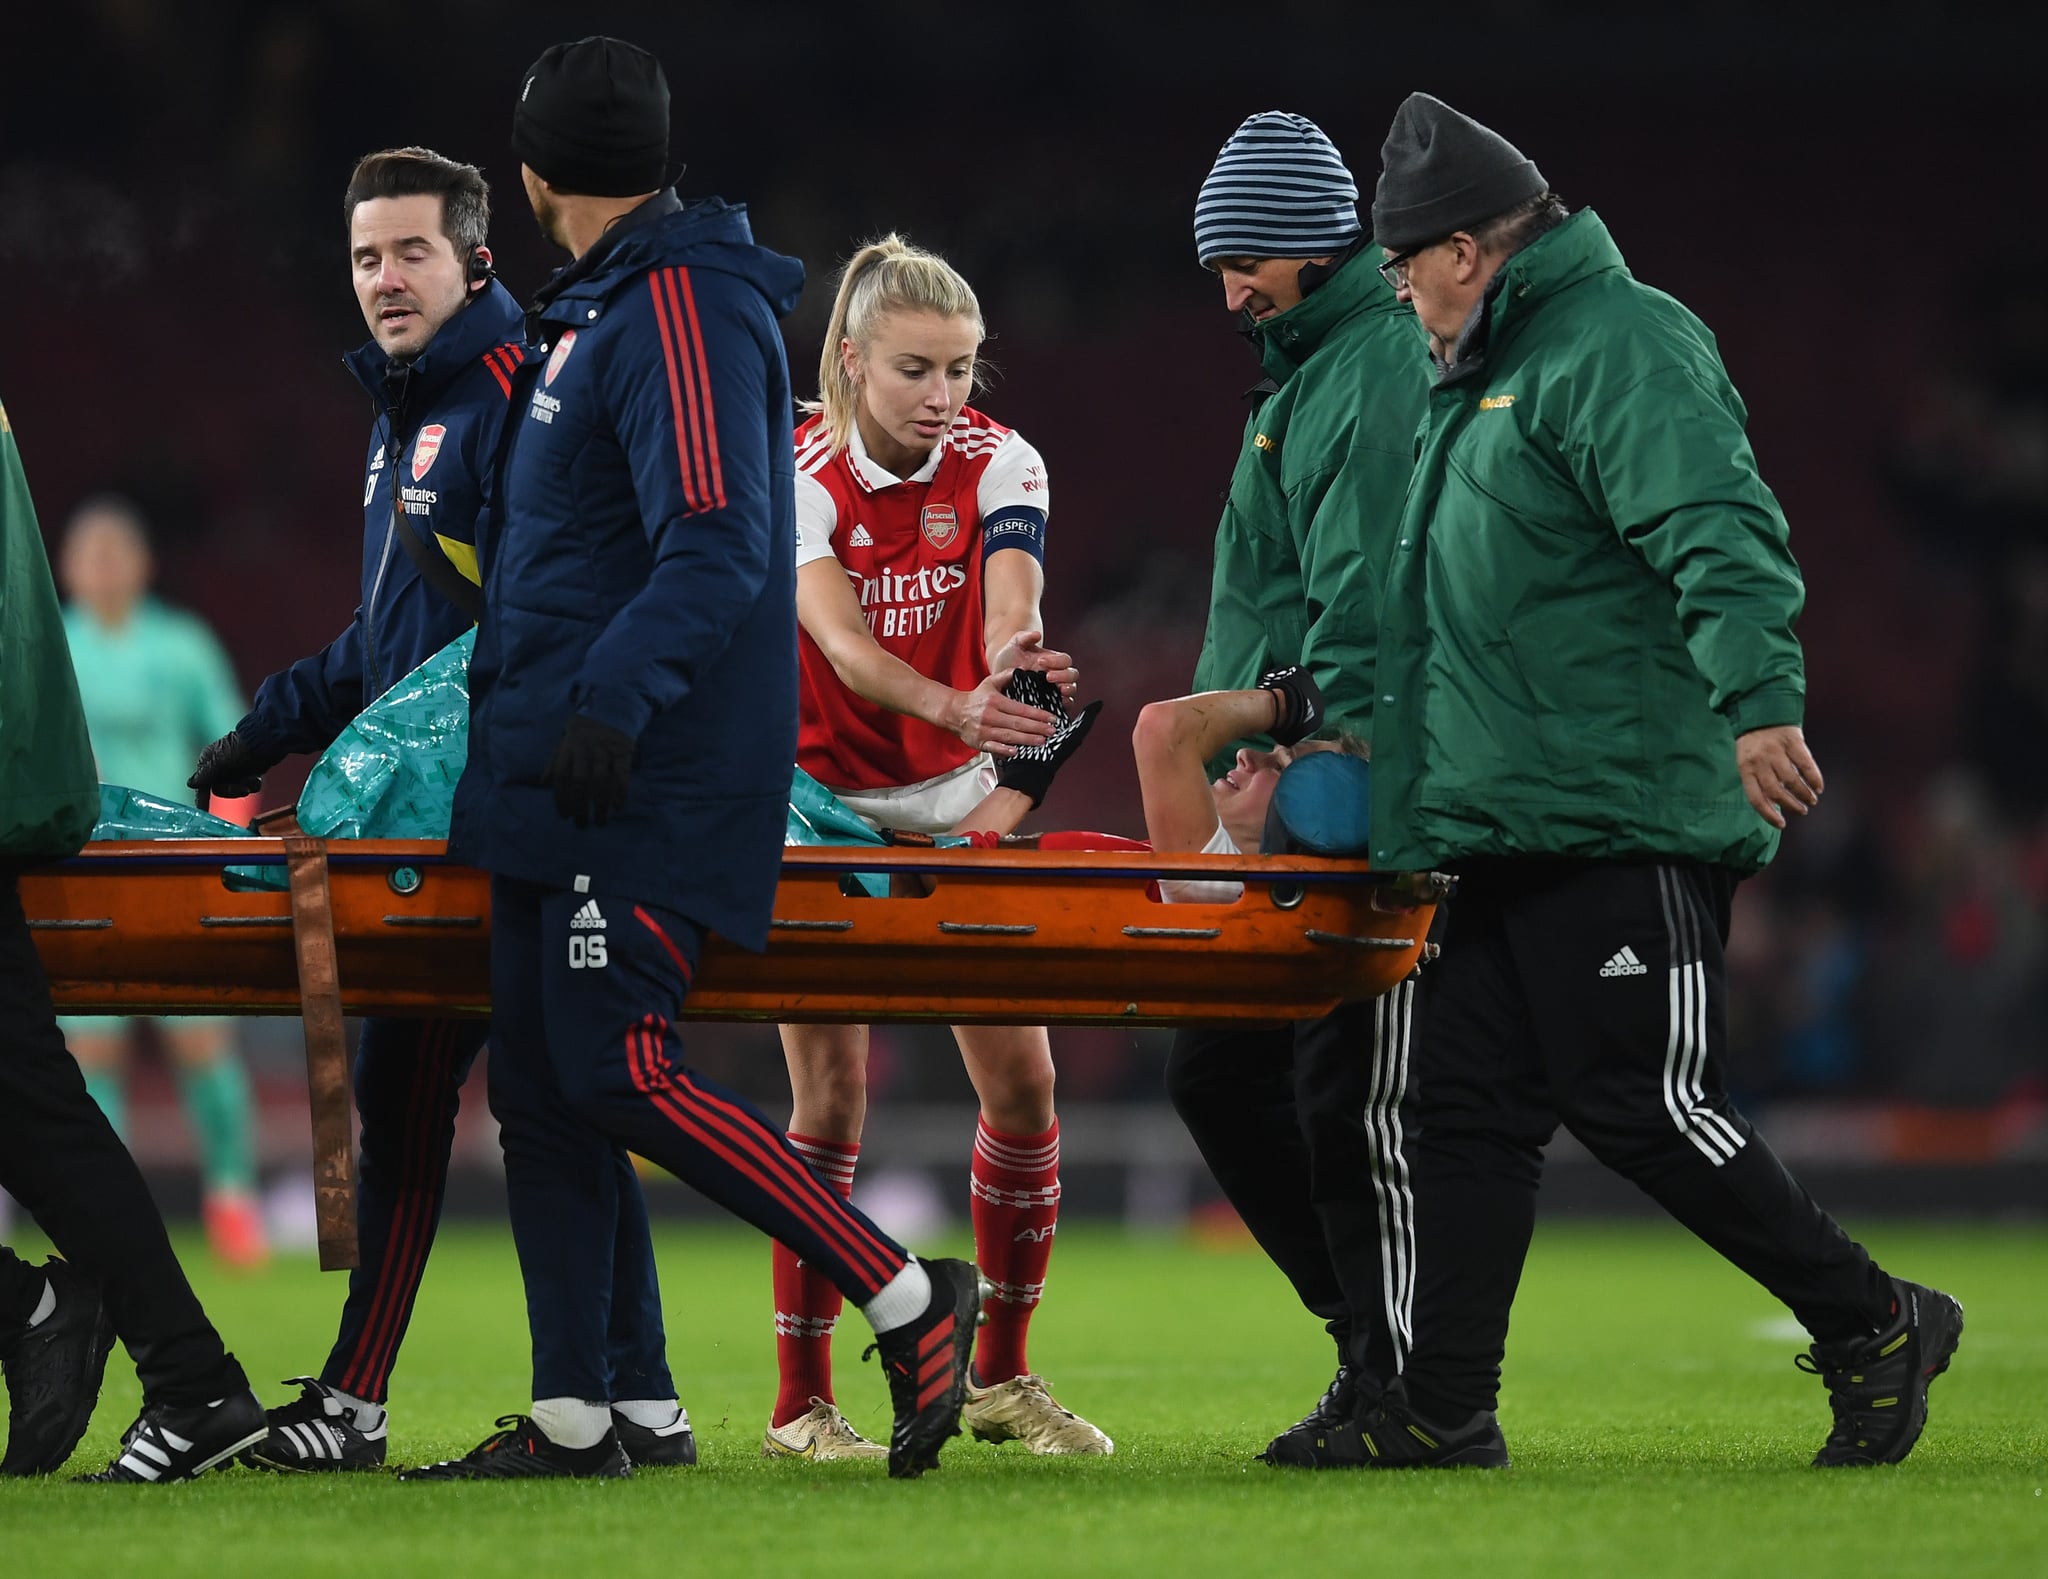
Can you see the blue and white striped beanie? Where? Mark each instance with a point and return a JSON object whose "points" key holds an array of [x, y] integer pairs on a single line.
{"points": [[1279, 189]]}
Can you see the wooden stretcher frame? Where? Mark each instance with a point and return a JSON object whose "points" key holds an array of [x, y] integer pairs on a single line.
{"points": [[393, 927]]}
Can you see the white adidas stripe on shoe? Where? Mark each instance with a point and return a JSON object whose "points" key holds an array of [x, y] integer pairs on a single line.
{"points": [[317, 1431], [167, 1444]]}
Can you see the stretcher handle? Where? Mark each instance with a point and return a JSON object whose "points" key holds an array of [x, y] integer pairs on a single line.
{"points": [[327, 1086]]}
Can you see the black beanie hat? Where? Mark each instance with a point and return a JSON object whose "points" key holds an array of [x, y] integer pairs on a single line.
{"points": [[592, 118], [1441, 171]]}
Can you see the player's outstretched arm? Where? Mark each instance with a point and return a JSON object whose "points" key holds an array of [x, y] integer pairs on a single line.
{"points": [[1013, 631], [1173, 740], [983, 717]]}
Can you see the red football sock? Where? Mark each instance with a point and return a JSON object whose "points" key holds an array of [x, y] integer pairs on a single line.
{"points": [[1016, 1191], [806, 1302]]}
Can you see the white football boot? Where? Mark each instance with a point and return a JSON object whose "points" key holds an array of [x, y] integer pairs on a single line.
{"points": [[821, 1436]]}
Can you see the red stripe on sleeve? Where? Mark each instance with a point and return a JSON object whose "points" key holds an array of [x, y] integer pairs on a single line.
{"points": [[694, 397], [704, 380], [504, 384], [675, 395]]}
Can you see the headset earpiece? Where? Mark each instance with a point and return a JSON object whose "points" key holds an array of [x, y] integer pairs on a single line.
{"points": [[480, 269]]}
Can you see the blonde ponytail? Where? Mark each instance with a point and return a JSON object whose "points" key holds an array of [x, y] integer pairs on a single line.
{"points": [[885, 276]]}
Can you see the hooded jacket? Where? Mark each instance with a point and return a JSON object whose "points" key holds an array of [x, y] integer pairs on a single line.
{"points": [[1316, 496], [642, 573], [439, 420], [49, 793], [1593, 592]]}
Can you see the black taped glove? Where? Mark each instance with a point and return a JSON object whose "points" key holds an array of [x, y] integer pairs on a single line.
{"points": [[589, 770], [1030, 769], [229, 769], [1301, 704], [1033, 689]]}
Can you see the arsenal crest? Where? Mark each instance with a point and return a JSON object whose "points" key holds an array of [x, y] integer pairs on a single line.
{"points": [[939, 524], [426, 449], [559, 355]]}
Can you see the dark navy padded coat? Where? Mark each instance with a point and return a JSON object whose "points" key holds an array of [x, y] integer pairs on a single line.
{"points": [[642, 572]]}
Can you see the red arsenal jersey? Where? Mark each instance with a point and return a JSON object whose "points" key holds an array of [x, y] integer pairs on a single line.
{"points": [[913, 548]]}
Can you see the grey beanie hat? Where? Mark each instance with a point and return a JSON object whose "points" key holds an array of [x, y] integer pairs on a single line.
{"points": [[1279, 189], [1442, 171]]}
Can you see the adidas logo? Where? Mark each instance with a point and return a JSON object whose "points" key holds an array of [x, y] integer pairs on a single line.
{"points": [[859, 538], [1623, 964], [591, 916]]}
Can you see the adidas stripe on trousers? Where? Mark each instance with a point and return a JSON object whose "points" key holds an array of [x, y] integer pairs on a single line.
{"points": [[1592, 994], [1303, 1127], [408, 1085], [586, 1066]]}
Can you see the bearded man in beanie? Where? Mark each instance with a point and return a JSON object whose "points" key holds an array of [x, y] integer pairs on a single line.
{"points": [[633, 721], [1300, 1124], [1590, 707]]}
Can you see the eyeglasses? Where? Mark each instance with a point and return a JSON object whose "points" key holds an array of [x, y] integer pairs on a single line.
{"points": [[1395, 270]]}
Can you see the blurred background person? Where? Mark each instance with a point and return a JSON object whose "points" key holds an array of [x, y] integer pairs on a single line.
{"points": [[157, 686]]}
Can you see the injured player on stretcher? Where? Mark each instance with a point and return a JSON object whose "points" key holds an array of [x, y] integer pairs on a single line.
{"points": [[1188, 813]]}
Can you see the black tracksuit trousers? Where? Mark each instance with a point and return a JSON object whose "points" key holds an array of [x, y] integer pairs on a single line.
{"points": [[62, 1160], [1592, 994], [1302, 1126]]}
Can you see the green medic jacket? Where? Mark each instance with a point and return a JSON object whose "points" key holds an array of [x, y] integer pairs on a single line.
{"points": [[49, 794], [1316, 496], [1592, 592]]}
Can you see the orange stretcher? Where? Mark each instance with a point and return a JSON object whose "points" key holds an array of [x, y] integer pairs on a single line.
{"points": [[1018, 937]]}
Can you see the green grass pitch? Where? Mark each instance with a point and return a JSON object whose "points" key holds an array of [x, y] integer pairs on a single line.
{"points": [[1656, 1420]]}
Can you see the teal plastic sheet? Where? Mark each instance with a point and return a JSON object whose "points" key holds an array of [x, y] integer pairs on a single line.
{"points": [[392, 773], [818, 817], [130, 814]]}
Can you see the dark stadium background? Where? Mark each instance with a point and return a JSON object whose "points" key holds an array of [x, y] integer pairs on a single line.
{"points": [[1851, 197]]}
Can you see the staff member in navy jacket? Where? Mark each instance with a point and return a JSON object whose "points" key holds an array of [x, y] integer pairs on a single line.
{"points": [[445, 342], [634, 699]]}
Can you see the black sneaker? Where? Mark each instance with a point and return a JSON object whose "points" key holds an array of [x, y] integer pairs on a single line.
{"points": [[657, 1447], [53, 1374], [519, 1449], [169, 1443], [1338, 1403], [1877, 1386], [318, 1431], [1384, 1433], [926, 1362]]}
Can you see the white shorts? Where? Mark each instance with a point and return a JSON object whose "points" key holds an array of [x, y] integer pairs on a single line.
{"points": [[935, 806]]}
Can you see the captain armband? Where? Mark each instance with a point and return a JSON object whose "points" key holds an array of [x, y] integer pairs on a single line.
{"points": [[1015, 526]]}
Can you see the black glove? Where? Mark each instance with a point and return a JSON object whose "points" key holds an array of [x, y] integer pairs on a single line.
{"points": [[1033, 689], [1301, 704], [1030, 769], [229, 769], [589, 770]]}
